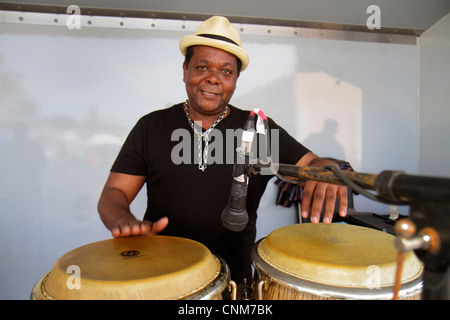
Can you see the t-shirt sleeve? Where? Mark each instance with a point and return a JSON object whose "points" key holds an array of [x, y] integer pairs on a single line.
{"points": [[131, 158], [290, 151]]}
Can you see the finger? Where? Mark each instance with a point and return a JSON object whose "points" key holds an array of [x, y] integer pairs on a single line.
{"points": [[307, 193], [122, 230], [343, 201], [140, 228], [159, 225], [115, 232], [318, 202], [330, 203], [145, 227]]}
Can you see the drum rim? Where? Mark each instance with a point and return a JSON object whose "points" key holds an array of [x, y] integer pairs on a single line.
{"points": [[215, 287], [209, 292], [38, 292], [266, 271]]}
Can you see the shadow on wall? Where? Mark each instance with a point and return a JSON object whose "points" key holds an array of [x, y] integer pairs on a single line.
{"points": [[325, 142]]}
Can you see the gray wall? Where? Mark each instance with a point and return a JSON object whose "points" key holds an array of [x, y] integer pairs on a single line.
{"points": [[434, 100], [68, 98]]}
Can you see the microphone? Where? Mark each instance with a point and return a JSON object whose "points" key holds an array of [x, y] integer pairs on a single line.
{"points": [[234, 216]]}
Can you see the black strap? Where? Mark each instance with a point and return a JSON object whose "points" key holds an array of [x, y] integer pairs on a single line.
{"points": [[217, 37]]}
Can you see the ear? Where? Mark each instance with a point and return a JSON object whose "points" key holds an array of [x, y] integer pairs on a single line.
{"points": [[184, 72]]}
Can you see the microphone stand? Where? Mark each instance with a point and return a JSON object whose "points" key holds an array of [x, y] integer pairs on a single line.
{"points": [[429, 202]]}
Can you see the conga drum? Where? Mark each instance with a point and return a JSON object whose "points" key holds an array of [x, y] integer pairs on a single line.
{"points": [[144, 267], [331, 262]]}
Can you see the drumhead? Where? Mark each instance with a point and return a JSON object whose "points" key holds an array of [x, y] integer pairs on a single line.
{"points": [[337, 255], [144, 267]]}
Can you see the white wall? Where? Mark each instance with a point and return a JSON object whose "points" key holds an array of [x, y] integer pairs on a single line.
{"points": [[68, 98], [349, 100]]}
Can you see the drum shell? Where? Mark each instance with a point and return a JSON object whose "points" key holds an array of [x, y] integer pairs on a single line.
{"points": [[205, 279], [272, 283]]}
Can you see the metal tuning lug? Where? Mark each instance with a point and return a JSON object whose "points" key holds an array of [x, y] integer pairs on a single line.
{"points": [[407, 240], [426, 239]]}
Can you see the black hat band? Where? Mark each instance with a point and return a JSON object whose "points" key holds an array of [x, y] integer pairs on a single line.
{"points": [[217, 37]]}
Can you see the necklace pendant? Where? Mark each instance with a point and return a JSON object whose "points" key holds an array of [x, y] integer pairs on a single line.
{"points": [[203, 155]]}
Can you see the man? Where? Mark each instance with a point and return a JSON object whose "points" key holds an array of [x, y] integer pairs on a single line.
{"points": [[187, 200]]}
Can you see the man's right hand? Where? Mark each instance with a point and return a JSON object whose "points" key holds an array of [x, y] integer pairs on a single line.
{"points": [[114, 207], [129, 227]]}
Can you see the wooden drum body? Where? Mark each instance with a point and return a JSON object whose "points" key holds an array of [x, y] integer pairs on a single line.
{"points": [[332, 261], [145, 267]]}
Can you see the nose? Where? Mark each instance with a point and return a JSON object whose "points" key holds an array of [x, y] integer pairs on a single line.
{"points": [[213, 77]]}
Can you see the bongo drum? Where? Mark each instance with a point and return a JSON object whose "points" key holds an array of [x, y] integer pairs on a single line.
{"points": [[332, 262], [144, 267]]}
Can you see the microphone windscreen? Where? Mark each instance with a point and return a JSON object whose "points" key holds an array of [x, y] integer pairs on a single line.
{"points": [[234, 221]]}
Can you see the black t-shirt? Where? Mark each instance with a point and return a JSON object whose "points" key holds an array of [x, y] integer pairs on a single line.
{"points": [[192, 199]]}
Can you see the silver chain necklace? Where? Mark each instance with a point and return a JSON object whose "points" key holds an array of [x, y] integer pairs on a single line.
{"points": [[202, 136]]}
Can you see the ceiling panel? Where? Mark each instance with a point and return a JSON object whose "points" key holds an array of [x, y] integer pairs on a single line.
{"points": [[397, 16]]}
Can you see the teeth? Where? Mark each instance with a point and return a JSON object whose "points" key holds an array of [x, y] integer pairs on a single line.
{"points": [[209, 93]]}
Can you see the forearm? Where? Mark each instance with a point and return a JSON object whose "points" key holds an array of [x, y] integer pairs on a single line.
{"points": [[113, 206]]}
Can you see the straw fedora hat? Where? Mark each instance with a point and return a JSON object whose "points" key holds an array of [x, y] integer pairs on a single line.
{"points": [[217, 32]]}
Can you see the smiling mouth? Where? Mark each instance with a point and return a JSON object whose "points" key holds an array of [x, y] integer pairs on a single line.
{"points": [[211, 94]]}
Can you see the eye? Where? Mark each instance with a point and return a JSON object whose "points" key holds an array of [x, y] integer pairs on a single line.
{"points": [[227, 72]]}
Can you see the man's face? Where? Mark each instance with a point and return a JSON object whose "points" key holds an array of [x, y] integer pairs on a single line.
{"points": [[210, 80]]}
